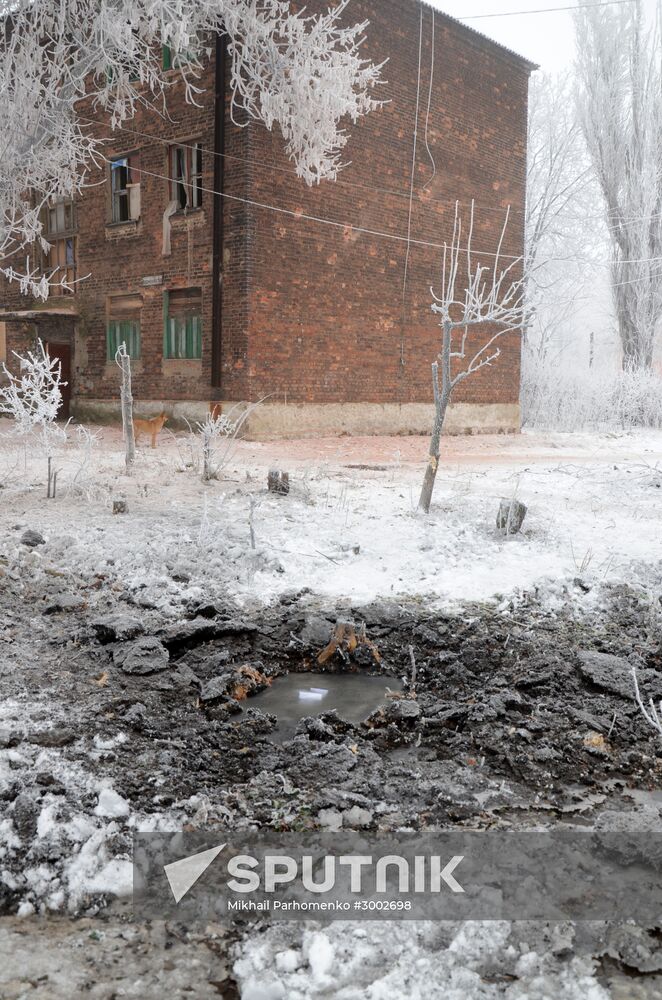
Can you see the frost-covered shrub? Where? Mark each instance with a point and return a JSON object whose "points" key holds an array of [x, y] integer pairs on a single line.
{"points": [[217, 429], [31, 400], [558, 397]]}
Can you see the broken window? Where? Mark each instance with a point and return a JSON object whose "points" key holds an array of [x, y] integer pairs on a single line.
{"points": [[182, 323], [186, 175], [60, 232], [123, 325], [125, 188]]}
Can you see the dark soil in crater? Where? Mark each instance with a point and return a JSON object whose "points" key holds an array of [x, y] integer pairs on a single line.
{"points": [[498, 717]]}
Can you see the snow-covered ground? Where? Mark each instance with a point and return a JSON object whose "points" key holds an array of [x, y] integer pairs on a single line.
{"points": [[350, 527], [348, 531], [412, 960]]}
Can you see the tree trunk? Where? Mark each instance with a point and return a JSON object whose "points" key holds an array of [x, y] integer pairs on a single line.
{"points": [[441, 404], [127, 409]]}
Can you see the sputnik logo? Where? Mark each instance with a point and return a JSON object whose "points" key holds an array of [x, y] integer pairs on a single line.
{"points": [[183, 874]]}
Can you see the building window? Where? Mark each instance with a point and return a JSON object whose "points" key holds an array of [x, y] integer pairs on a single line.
{"points": [[186, 175], [123, 325], [174, 59], [60, 232], [182, 323], [125, 188]]}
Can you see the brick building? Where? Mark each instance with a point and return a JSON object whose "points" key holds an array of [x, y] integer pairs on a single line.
{"points": [[226, 300]]}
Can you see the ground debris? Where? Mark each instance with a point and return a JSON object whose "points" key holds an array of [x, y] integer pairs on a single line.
{"points": [[32, 539], [144, 656], [117, 628], [346, 640], [612, 673], [278, 482], [236, 684], [510, 516]]}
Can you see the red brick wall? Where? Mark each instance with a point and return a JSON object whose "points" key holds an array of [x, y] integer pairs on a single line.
{"points": [[327, 319], [313, 312], [114, 258]]}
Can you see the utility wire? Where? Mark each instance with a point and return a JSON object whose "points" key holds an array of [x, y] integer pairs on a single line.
{"points": [[290, 173], [427, 117], [350, 227], [411, 193], [545, 10], [360, 187]]}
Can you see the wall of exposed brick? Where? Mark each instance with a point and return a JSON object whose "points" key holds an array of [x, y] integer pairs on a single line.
{"points": [[331, 319], [314, 313], [115, 258]]}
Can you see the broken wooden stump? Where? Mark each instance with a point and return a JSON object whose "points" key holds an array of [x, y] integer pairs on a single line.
{"points": [[278, 482], [511, 516], [345, 640]]}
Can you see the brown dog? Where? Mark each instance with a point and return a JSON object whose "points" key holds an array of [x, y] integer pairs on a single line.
{"points": [[151, 427]]}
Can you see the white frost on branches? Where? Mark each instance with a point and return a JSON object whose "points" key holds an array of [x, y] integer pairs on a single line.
{"points": [[562, 204], [220, 432], [652, 715], [33, 397], [301, 73], [473, 295], [620, 107]]}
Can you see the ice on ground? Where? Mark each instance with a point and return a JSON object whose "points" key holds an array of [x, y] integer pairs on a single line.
{"points": [[406, 961], [111, 804]]}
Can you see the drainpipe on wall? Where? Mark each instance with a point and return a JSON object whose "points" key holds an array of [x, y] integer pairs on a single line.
{"points": [[219, 177]]}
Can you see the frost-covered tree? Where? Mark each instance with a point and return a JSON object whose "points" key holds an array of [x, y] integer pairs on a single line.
{"points": [[487, 299], [301, 73], [619, 99], [32, 400], [33, 397], [561, 206]]}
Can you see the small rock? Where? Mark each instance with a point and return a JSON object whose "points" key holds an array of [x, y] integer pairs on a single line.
{"points": [[609, 673], [64, 602], [135, 716], [215, 689], [316, 631], [8, 738], [48, 780], [180, 575], [59, 736], [32, 539], [314, 729], [402, 709], [117, 628], [120, 507], [24, 815], [144, 656], [511, 516]]}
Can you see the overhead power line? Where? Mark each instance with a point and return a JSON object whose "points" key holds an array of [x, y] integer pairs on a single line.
{"points": [[352, 227], [264, 164], [545, 10]]}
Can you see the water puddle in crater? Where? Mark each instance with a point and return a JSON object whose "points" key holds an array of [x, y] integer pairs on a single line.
{"points": [[299, 696]]}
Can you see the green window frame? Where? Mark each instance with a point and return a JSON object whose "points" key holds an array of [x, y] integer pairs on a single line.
{"points": [[123, 325], [172, 59], [182, 323]]}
